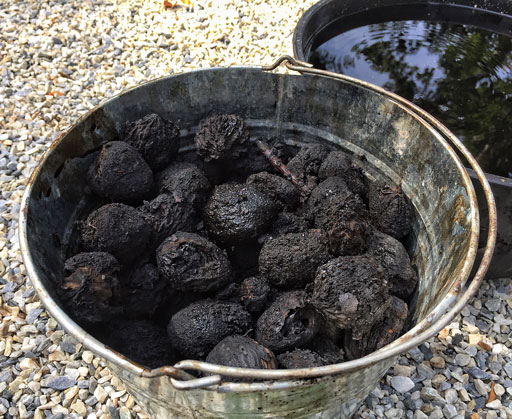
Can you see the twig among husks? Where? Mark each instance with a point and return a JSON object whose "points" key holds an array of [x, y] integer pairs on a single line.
{"points": [[276, 162]]}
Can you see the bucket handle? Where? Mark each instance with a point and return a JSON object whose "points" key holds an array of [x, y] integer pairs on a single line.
{"points": [[411, 339]]}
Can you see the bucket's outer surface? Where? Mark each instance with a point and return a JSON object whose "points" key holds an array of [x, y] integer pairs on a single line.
{"points": [[393, 143], [322, 398], [318, 23]]}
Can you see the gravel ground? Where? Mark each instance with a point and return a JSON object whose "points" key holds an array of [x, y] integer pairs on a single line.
{"points": [[59, 59]]}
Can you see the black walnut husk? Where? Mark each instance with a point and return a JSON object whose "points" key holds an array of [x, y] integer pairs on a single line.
{"points": [[390, 209], [142, 342], [338, 163], [166, 215], [306, 163], [230, 292], [327, 349], [388, 328], [186, 182], [155, 138], [290, 261], [238, 213], [190, 262], [300, 358], [255, 293], [352, 292], [396, 262], [216, 172], [142, 292], [288, 323], [254, 161], [103, 262], [288, 222], [90, 295], [196, 329], [342, 214], [117, 229], [221, 137], [277, 188], [242, 352], [119, 173], [173, 301]]}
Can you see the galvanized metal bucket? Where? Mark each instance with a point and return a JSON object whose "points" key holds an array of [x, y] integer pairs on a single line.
{"points": [[397, 140]]}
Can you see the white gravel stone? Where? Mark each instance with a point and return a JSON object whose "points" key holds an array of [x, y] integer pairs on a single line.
{"points": [[495, 404]]}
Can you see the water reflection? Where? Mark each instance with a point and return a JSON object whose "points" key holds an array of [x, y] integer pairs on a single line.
{"points": [[460, 74]]}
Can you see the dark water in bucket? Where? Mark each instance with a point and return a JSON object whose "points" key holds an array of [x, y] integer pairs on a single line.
{"points": [[460, 74]]}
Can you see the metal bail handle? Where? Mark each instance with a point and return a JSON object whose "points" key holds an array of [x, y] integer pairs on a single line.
{"points": [[289, 61]]}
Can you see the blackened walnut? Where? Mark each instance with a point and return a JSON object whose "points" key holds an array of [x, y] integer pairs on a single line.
{"points": [[337, 163], [119, 173], [290, 261], [288, 222], [327, 349], [237, 213], [306, 163], [230, 292], [330, 191], [280, 190], [242, 352], [300, 358], [166, 215], [186, 182], [342, 214], [352, 292], [90, 295], [390, 209], [214, 171], [192, 263], [143, 291], [388, 328], [221, 136], [396, 262], [118, 229], [254, 161], [288, 323], [103, 262], [142, 342], [196, 329], [254, 293], [285, 222], [174, 301], [155, 138]]}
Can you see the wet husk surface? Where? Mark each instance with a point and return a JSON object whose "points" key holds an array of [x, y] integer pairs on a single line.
{"points": [[247, 252]]}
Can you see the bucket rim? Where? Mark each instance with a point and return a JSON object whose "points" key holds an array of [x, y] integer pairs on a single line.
{"points": [[435, 321]]}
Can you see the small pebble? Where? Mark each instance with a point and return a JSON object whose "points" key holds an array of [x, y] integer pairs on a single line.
{"points": [[124, 413], [402, 384], [61, 383], [437, 362]]}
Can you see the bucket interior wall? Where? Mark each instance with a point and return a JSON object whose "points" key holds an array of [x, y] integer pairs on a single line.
{"points": [[300, 109]]}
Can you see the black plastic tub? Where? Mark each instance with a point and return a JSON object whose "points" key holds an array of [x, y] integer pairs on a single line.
{"points": [[330, 17]]}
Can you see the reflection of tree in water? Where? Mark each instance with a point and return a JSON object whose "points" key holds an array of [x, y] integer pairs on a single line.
{"points": [[474, 96]]}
